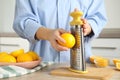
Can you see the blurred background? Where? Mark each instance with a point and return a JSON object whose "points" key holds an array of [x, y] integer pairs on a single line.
{"points": [[107, 45]]}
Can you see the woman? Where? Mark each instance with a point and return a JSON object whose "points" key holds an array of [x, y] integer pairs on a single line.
{"points": [[42, 21]]}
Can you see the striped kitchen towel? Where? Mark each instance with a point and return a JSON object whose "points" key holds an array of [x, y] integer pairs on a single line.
{"points": [[11, 70]]}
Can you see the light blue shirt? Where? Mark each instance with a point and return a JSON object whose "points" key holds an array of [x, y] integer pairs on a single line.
{"points": [[32, 14]]}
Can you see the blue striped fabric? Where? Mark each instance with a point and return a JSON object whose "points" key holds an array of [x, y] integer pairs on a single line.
{"points": [[11, 70]]}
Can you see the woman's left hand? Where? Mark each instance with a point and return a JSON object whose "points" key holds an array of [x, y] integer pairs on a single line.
{"points": [[86, 27]]}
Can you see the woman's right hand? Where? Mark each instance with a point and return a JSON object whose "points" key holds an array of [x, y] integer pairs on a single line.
{"points": [[54, 37]]}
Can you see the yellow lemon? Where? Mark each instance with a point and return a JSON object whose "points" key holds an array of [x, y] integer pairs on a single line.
{"points": [[92, 58], [69, 38], [34, 55], [3, 53], [24, 58], [17, 52], [101, 62], [7, 58], [118, 65], [115, 61]]}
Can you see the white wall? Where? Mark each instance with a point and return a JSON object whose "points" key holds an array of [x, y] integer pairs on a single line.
{"points": [[7, 14], [113, 13]]}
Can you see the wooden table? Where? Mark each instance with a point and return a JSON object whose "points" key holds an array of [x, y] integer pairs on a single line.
{"points": [[44, 74]]}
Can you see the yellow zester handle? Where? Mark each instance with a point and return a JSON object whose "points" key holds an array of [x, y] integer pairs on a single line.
{"points": [[76, 18]]}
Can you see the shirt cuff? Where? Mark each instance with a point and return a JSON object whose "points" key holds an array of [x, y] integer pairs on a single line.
{"points": [[31, 28]]}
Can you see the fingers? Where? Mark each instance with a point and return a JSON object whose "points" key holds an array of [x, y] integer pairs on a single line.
{"points": [[59, 38], [55, 37], [61, 31], [86, 27], [61, 48], [75, 9], [84, 21], [58, 47], [85, 32]]}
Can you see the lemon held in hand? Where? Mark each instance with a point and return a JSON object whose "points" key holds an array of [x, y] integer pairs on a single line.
{"points": [[69, 40]]}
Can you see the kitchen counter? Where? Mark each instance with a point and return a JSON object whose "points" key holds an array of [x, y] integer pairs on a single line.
{"points": [[8, 34], [44, 74]]}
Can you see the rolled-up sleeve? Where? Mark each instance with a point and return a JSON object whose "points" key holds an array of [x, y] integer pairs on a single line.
{"points": [[26, 21], [96, 17]]}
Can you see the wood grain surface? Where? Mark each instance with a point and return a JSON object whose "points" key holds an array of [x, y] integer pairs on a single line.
{"points": [[93, 73]]}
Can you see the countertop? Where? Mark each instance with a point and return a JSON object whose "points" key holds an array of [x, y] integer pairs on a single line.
{"points": [[44, 74]]}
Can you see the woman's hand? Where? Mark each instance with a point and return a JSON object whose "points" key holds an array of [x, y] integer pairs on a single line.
{"points": [[54, 37], [86, 27]]}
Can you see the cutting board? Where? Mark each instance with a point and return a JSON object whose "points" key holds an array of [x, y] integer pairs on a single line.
{"points": [[93, 73]]}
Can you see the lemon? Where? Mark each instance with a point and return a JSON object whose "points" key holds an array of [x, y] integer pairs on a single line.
{"points": [[7, 58], [118, 65], [115, 61], [69, 40], [24, 58], [101, 62], [92, 58], [3, 53], [17, 52], [34, 55]]}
